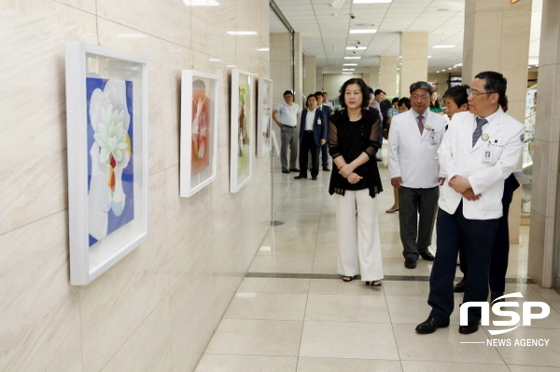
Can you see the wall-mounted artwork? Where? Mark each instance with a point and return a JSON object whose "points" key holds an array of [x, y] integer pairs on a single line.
{"points": [[242, 129], [199, 131], [264, 117], [107, 114]]}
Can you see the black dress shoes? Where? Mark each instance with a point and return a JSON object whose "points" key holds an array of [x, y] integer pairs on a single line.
{"points": [[472, 327], [285, 171], [326, 168], [314, 178], [294, 170], [460, 287], [410, 263], [427, 255], [495, 295], [430, 326]]}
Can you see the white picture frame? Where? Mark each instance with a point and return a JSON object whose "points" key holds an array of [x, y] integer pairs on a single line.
{"points": [[241, 129], [264, 116], [199, 131], [107, 122]]}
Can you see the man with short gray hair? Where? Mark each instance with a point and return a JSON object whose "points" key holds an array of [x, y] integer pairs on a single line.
{"points": [[414, 138]]}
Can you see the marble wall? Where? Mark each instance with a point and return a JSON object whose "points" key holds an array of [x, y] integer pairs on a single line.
{"points": [[157, 308]]}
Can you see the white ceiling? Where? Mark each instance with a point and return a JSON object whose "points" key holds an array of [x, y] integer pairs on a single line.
{"points": [[325, 30]]}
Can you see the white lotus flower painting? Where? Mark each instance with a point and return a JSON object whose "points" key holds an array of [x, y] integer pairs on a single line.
{"points": [[110, 168]]}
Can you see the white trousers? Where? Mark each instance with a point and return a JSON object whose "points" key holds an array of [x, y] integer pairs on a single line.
{"points": [[359, 241]]}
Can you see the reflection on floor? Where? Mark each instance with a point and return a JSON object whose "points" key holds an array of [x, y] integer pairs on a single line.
{"points": [[293, 313]]}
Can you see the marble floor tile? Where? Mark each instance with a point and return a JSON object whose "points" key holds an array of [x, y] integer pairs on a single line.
{"points": [[455, 367], [546, 356], [271, 306], [348, 340], [338, 287], [514, 368], [344, 308], [246, 363], [307, 364], [275, 285], [256, 337], [444, 346]]}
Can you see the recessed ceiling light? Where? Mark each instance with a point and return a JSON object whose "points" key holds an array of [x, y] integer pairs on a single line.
{"points": [[352, 57], [349, 64], [364, 31], [214, 60], [347, 73], [443, 46], [356, 48], [263, 49], [241, 32], [429, 56], [348, 69]]}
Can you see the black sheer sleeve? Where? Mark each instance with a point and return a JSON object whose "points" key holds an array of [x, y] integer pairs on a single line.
{"points": [[334, 149], [374, 135]]}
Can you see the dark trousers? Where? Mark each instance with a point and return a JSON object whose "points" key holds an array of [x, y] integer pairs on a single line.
{"points": [[416, 219], [476, 237], [308, 145], [325, 154], [500, 249]]}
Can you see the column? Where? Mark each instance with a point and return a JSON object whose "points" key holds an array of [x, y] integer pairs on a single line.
{"points": [[414, 59], [388, 74], [497, 38], [280, 65], [544, 200], [373, 80], [309, 75], [298, 56]]}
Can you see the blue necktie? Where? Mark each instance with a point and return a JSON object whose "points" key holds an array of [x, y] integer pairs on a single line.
{"points": [[478, 131]]}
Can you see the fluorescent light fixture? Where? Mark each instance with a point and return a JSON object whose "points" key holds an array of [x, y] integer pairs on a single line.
{"points": [[356, 48], [347, 73], [337, 4], [443, 46], [214, 60], [230, 66], [201, 2], [364, 31], [349, 64], [263, 49], [352, 57], [241, 32], [458, 65], [348, 69], [429, 56], [372, 1]]}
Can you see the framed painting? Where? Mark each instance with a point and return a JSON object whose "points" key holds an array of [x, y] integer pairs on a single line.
{"points": [[242, 129], [264, 116], [199, 131], [107, 121]]}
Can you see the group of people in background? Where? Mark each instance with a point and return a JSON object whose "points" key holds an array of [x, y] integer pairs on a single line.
{"points": [[459, 168]]}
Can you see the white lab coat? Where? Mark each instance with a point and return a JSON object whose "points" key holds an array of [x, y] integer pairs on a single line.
{"points": [[412, 156], [492, 159]]}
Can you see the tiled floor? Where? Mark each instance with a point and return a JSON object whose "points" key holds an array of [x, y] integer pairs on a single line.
{"points": [[293, 314]]}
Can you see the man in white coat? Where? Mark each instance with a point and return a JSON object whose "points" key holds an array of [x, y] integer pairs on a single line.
{"points": [[479, 151], [414, 138]]}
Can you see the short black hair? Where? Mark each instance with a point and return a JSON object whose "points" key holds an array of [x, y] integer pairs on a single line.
{"points": [[319, 93], [363, 87], [377, 91], [496, 83], [288, 92], [307, 99], [421, 85], [396, 99], [458, 94], [405, 101]]}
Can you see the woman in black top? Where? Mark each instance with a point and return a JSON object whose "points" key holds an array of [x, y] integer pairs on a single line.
{"points": [[353, 142]]}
